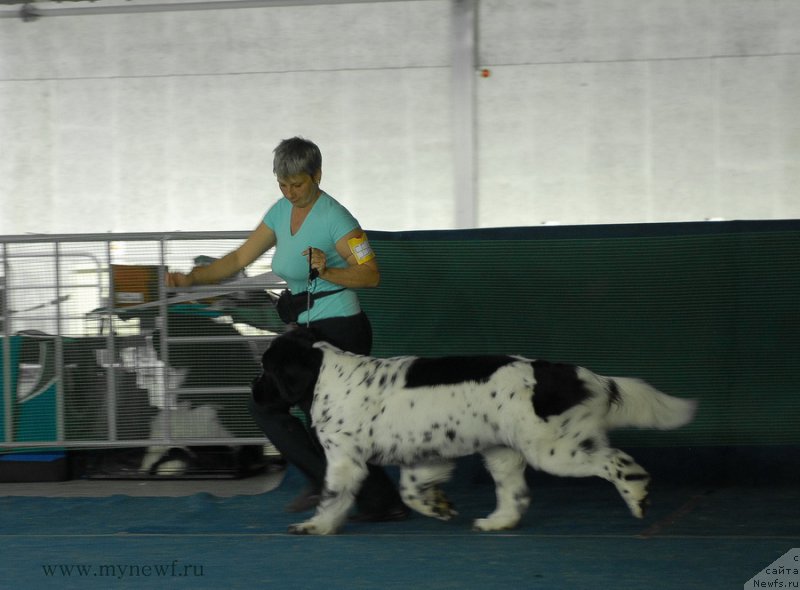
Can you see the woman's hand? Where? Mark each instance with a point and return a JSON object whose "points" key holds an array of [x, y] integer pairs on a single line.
{"points": [[355, 275], [179, 279], [316, 260]]}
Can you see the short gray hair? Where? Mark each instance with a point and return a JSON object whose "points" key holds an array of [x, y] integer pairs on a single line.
{"points": [[295, 156]]}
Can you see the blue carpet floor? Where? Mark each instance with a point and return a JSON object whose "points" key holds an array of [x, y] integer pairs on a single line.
{"points": [[577, 534]]}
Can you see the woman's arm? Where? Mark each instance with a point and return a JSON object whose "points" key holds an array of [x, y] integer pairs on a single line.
{"points": [[355, 275], [259, 241]]}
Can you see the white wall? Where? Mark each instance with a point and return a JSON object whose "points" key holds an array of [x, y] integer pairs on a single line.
{"points": [[639, 110], [596, 111]]}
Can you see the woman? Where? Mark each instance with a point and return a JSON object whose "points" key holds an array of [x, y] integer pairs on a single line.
{"points": [[311, 230]]}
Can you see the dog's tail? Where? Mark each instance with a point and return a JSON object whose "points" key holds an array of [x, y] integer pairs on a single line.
{"points": [[633, 402]]}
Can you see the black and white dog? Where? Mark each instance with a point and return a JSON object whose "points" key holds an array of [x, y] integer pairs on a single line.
{"points": [[423, 413]]}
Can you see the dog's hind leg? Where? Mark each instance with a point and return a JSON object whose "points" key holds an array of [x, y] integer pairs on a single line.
{"points": [[591, 457], [507, 467], [343, 479], [631, 480], [420, 491]]}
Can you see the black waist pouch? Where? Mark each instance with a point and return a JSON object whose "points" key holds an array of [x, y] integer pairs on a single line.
{"points": [[290, 305]]}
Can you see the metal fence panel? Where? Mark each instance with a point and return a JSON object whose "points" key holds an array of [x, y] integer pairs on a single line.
{"points": [[98, 352]]}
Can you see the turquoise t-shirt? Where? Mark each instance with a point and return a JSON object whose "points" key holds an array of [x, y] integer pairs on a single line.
{"points": [[327, 222]]}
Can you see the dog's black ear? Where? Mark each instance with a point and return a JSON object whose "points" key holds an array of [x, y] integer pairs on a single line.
{"points": [[293, 363], [267, 395]]}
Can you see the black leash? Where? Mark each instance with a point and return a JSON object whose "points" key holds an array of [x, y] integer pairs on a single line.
{"points": [[313, 273]]}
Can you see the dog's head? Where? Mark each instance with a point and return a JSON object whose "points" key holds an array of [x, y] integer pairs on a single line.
{"points": [[290, 369]]}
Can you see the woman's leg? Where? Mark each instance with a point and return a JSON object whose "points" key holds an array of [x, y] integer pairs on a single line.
{"points": [[291, 437], [296, 444]]}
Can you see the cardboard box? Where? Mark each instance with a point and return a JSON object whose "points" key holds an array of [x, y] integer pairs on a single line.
{"points": [[134, 284]]}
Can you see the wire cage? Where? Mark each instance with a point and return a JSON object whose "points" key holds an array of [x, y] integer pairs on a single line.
{"points": [[98, 353]]}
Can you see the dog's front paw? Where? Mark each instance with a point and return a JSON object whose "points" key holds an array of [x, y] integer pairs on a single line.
{"points": [[309, 527], [494, 524]]}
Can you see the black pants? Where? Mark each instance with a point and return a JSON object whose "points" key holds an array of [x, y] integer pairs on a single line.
{"points": [[299, 445]]}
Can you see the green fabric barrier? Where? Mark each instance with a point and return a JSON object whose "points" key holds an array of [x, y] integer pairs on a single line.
{"points": [[702, 310]]}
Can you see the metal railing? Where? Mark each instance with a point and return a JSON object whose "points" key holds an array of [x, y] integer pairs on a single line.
{"points": [[79, 370]]}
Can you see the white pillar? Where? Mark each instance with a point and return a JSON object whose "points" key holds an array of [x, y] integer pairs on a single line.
{"points": [[463, 108]]}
